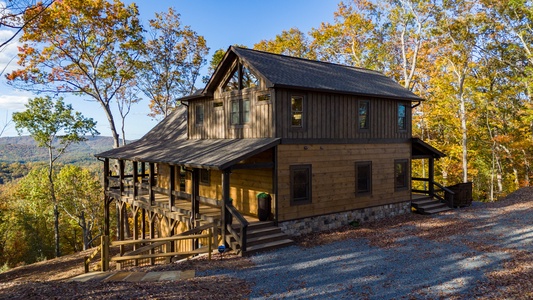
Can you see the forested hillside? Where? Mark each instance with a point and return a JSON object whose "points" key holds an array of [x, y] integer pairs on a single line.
{"points": [[23, 149]]}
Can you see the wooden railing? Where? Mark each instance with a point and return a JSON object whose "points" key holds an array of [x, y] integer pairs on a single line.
{"points": [[436, 190], [240, 236], [146, 252]]}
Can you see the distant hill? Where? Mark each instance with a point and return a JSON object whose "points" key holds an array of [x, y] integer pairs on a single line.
{"points": [[23, 149]]}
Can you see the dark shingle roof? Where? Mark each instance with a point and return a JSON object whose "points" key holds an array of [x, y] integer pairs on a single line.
{"points": [[292, 72], [167, 143]]}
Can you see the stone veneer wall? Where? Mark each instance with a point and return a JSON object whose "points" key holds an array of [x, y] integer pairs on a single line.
{"points": [[332, 221]]}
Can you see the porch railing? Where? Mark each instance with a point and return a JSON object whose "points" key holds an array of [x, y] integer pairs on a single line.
{"points": [[435, 190], [240, 235]]}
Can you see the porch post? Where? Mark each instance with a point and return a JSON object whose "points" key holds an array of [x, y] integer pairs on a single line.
{"points": [[143, 223], [135, 175], [225, 199], [121, 176], [431, 176], [151, 182], [195, 205], [107, 200], [171, 187]]}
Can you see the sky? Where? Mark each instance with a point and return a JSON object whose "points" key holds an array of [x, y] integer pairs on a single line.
{"points": [[222, 23]]}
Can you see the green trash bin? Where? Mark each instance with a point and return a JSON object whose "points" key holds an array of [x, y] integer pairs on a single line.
{"points": [[264, 206]]}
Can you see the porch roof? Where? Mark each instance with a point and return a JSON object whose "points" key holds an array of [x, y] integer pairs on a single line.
{"points": [[206, 154], [421, 149]]}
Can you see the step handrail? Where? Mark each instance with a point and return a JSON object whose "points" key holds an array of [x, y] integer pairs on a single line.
{"points": [[240, 236], [448, 197]]}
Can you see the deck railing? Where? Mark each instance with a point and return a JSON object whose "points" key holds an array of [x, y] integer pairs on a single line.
{"points": [[146, 252], [435, 190]]}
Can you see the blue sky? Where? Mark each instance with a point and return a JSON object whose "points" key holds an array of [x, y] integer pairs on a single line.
{"points": [[222, 23]]}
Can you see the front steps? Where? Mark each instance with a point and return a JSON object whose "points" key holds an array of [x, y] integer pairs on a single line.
{"points": [[428, 206], [261, 236]]}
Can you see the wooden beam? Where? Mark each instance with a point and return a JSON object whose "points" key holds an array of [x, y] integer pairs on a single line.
{"points": [[172, 187], [151, 183], [263, 165], [225, 199], [431, 167], [135, 175], [121, 176]]}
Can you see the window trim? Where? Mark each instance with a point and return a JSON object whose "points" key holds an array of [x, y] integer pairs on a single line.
{"points": [[405, 125], [308, 168], [205, 172], [363, 164], [367, 128], [303, 111], [405, 185], [199, 108], [240, 111]]}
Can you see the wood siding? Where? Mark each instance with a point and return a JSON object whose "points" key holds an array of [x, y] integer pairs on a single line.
{"points": [[333, 177], [334, 116]]}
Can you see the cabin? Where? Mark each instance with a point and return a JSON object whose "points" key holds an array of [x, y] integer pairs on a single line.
{"points": [[274, 146]]}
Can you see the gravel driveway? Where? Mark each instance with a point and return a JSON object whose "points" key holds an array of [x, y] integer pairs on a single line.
{"points": [[483, 251]]}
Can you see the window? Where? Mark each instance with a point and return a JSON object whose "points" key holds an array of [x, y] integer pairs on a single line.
{"points": [[401, 174], [241, 78], [233, 82], [240, 112], [218, 105], [402, 117], [297, 109], [199, 114], [249, 80], [363, 177], [300, 184], [362, 118], [204, 176], [263, 97]]}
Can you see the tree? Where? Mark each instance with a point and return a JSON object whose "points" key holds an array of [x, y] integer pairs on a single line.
{"points": [[79, 195], [12, 12], [173, 57], [292, 42], [55, 126], [86, 47]]}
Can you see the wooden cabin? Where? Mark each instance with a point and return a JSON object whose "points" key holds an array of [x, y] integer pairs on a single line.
{"points": [[329, 145]]}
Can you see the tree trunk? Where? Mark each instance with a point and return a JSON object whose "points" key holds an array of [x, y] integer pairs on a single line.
{"points": [[111, 120], [464, 129], [54, 200]]}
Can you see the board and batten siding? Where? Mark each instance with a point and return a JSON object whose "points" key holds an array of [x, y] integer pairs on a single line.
{"points": [[333, 177], [334, 116]]}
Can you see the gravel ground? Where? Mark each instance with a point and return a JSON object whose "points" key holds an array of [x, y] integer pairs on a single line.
{"points": [[461, 254]]}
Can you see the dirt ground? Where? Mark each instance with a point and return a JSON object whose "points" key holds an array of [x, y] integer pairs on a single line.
{"points": [[48, 279]]}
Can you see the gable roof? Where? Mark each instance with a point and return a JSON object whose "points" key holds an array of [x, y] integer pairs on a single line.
{"points": [[292, 72]]}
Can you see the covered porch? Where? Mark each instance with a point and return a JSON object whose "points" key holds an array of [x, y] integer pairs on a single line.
{"points": [[185, 184]]}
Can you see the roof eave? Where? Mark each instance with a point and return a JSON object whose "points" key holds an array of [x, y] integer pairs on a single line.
{"points": [[284, 86]]}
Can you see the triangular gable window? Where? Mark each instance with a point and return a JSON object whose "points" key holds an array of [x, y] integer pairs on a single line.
{"points": [[241, 78], [249, 80], [233, 82]]}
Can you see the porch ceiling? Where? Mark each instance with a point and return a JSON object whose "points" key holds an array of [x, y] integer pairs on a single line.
{"points": [[206, 154]]}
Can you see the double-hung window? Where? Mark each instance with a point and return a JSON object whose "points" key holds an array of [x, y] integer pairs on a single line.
{"points": [[199, 114], [363, 177], [401, 174], [402, 117], [240, 112], [297, 111], [363, 115], [300, 184]]}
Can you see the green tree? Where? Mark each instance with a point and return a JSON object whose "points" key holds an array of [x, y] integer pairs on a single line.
{"points": [[86, 47], [173, 57], [55, 126], [79, 195]]}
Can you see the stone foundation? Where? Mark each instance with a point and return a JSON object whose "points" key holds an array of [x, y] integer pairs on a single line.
{"points": [[332, 221]]}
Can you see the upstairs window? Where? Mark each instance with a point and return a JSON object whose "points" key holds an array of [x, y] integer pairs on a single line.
{"points": [[205, 176], [401, 174], [362, 117], [199, 114], [233, 82], [249, 80], [297, 111], [300, 184], [240, 112], [241, 78], [363, 177], [402, 117]]}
